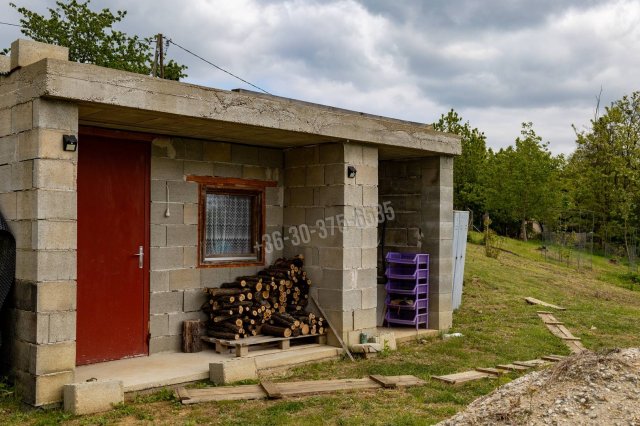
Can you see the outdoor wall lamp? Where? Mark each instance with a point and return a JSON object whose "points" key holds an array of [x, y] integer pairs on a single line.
{"points": [[351, 172], [69, 143]]}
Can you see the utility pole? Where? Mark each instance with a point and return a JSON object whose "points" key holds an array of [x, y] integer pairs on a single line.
{"points": [[161, 45], [158, 55], [154, 67]]}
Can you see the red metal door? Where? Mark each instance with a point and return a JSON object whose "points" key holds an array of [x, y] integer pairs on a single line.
{"points": [[113, 230]]}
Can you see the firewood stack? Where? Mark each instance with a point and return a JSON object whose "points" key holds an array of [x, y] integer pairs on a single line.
{"points": [[272, 302]]}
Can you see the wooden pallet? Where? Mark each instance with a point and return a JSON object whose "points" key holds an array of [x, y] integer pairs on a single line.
{"points": [[241, 346], [271, 390]]}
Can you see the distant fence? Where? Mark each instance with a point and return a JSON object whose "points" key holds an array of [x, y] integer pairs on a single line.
{"points": [[575, 249]]}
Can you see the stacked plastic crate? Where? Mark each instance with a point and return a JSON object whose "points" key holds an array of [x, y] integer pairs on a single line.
{"points": [[407, 289]]}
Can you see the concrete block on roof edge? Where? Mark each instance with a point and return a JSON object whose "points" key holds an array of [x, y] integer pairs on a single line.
{"points": [[26, 52]]}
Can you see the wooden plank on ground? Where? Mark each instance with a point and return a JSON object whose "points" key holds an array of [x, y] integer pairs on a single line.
{"points": [[567, 333], [534, 301], [556, 331], [553, 358], [182, 394], [384, 381], [225, 393], [559, 330], [490, 370], [512, 367], [286, 389], [575, 346], [547, 317], [315, 387], [531, 363], [465, 376], [272, 390]]}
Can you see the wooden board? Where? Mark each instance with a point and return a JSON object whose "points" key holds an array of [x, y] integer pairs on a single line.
{"points": [[547, 317], [534, 301], [486, 372], [272, 390], [574, 346], [553, 358], [559, 330], [223, 393], [513, 367], [531, 364], [383, 381], [465, 376], [489, 370], [290, 389]]}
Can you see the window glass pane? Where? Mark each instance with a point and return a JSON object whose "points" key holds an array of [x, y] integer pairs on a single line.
{"points": [[228, 225]]}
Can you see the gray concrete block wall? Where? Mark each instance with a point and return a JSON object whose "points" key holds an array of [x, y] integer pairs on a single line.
{"points": [[176, 281], [38, 199], [421, 194], [340, 215]]}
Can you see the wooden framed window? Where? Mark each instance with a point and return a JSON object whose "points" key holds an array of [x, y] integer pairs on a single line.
{"points": [[231, 221], [231, 225]]}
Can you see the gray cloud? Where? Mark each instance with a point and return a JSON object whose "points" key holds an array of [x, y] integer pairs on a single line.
{"points": [[498, 62]]}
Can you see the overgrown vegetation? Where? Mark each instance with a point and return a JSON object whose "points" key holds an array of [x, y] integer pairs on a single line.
{"points": [[497, 325]]}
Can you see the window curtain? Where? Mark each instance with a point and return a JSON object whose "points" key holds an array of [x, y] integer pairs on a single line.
{"points": [[228, 224]]}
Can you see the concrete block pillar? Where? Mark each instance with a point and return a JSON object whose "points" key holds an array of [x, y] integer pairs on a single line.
{"points": [[39, 201], [338, 214], [436, 218]]}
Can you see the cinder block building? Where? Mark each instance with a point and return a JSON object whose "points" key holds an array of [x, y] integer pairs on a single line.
{"points": [[128, 194]]}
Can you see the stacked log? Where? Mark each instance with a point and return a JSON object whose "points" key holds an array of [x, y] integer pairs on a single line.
{"points": [[272, 302]]}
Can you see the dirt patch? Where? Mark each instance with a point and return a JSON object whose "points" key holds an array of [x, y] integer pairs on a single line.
{"points": [[585, 389]]}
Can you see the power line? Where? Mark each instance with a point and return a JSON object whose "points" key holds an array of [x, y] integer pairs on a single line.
{"points": [[216, 66], [169, 41], [12, 25]]}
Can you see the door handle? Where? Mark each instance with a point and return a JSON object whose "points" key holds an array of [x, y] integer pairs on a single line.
{"points": [[140, 255]]}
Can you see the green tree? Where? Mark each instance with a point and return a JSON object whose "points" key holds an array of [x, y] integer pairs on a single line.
{"points": [[91, 38], [605, 168], [522, 182], [468, 192]]}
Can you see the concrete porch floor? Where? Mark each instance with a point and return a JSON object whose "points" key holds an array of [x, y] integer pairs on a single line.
{"points": [[173, 368], [169, 368]]}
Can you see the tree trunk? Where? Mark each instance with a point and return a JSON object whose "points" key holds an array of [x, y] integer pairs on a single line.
{"points": [[191, 331], [523, 230]]}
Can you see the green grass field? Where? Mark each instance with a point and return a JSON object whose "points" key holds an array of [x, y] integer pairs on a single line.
{"points": [[498, 327]]}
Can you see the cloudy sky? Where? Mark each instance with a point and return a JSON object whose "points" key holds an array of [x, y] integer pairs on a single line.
{"points": [[497, 62]]}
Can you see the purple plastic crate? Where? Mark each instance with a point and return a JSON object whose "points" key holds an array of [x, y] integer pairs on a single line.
{"points": [[418, 304], [401, 272], [417, 320], [420, 260], [407, 287]]}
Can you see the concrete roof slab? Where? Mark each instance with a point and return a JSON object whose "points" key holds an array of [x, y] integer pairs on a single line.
{"points": [[123, 100]]}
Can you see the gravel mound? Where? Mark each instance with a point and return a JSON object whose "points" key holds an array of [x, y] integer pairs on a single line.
{"points": [[585, 389]]}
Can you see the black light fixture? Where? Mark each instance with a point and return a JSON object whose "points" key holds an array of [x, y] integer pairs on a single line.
{"points": [[69, 143], [351, 172]]}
